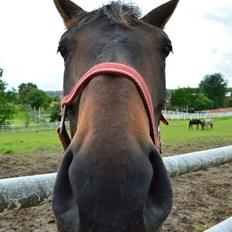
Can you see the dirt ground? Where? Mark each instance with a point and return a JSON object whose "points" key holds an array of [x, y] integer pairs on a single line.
{"points": [[201, 199]]}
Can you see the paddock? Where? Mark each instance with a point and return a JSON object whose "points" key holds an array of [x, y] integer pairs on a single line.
{"points": [[34, 190]]}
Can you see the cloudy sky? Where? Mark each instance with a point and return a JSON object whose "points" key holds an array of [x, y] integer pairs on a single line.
{"points": [[200, 30]]}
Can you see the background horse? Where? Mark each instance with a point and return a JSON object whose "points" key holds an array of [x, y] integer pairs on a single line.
{"points": [[112, 177], [196, 122], [207, 123]]}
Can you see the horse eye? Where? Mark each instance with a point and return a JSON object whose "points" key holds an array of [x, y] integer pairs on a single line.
{"points": [[63, 51], [166, 50]]}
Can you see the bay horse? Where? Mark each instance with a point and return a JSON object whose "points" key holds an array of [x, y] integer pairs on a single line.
{"points": [[112, 177], [196, 122]]}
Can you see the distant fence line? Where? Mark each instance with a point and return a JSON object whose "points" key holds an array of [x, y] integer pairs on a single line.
{"points": [[182, 115], [171, 115], [35, 127]]}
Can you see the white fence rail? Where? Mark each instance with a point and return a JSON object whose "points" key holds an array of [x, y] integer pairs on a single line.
{"points": [[225, 226], [174, 115], [30, 191], [27, 191], [191, 162]]}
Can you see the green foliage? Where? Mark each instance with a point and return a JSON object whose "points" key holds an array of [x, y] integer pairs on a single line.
{"points": [[38, 98], [19, 116], [201, 102], [182, 97], [1, 72], [7, 107], [30, 95], [55, 112], [190, 98], [228, 98], [214, 87], [228, 102], [24, 91], [12, 96]]}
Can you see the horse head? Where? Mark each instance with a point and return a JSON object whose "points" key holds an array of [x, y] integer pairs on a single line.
{"points": [[112, 177]]}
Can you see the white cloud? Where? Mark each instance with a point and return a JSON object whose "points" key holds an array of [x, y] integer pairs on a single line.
{"points": [[200, 44]]}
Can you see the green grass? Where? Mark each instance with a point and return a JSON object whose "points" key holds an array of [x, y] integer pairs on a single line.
{"points": [[175, 138], [29, 142], [19, 117], [178, 134]]}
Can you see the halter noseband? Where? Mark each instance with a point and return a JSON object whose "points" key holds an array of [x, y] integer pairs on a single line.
{"points": [[113, 69]]}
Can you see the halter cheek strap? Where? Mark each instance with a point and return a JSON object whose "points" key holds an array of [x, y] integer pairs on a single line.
{"points": [[116, 69]]}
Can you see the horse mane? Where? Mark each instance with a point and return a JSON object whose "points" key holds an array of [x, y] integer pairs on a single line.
{"points": [[116, 12]]}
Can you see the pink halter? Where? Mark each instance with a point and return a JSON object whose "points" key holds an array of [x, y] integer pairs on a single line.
{"points": [[113, 69]]}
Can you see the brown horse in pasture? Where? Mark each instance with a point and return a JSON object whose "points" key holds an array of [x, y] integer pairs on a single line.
{"points": [[112, 178], [196, 122]]}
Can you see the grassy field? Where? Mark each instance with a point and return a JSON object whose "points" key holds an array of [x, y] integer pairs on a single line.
{"points": [[19, 117], [178, 135], [29, 142], [176, 138]]}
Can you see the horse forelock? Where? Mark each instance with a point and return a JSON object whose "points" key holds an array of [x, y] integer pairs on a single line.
{"points": [[116, 12]]}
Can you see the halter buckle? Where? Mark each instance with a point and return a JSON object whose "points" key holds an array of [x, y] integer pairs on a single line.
{"points": [[61, 130]]}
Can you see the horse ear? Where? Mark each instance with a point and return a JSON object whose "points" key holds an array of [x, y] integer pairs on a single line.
{"points": [[160, 15], [67, 10]]}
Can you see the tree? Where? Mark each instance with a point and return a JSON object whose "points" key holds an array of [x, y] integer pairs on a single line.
{"points": [[228, 97], [30, 95], [12, 96], [214, 87], [55, 112], [7, 108], [1, 72], [190, 99], [38, 98], [228, 102], [182, 97], [201, 102], [24, 91]]}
